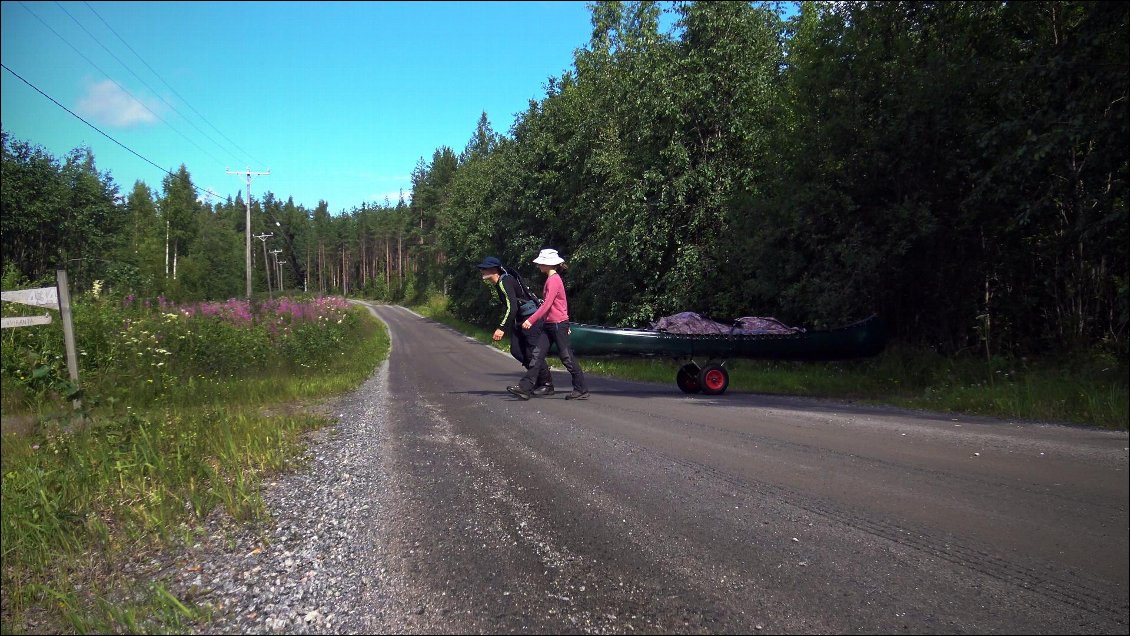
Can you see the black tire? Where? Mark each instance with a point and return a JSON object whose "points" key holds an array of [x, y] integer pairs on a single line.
{"points": [[687, 378], [714, 379]]}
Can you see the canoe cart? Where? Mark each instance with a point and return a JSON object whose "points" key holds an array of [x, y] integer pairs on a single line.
{"points": [[704, 357]]}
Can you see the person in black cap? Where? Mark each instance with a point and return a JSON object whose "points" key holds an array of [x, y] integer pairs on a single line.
{"points": [[512, 294]]}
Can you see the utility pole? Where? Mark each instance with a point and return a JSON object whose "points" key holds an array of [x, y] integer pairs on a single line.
{"points": [[275, 258], [279, 273], [266, 265], [247, 230]]}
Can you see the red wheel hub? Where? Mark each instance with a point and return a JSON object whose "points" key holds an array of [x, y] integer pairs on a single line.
{"points": [[714, 379]]}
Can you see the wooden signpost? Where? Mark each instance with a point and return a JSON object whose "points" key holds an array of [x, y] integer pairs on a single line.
{"points": [[57, 298]]}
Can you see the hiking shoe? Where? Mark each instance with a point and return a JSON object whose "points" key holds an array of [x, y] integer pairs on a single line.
{"points": [[543, 390], [577, 395], [519, 391]]}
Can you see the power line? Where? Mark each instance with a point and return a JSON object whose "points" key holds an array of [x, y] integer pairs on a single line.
{"points": [[139, 78], [123, 89], [167, 85], [99, 131]]}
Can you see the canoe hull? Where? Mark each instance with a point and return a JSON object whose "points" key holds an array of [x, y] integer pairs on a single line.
{"points": [[859, 340]]}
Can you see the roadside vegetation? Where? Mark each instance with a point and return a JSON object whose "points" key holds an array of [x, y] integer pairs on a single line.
{"points": [[1085, 390], [185, 409]]}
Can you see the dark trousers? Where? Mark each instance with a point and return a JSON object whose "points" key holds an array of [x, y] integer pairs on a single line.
{"points": [[521, 347], [558, 333]]}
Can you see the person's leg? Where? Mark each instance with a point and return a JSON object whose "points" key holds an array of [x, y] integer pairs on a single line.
{"points": [[518, 347], [545, 378], [565, 351], [522, 343], [539, 342]]}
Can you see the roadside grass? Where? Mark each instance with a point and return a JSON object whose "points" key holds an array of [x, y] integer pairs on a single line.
{"points": [[88, 494], [1088, 391]]}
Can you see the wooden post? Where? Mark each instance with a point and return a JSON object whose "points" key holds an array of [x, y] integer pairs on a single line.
{"points": [[68, 328]]}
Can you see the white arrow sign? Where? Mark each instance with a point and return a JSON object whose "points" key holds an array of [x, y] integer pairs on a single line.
{"points": [[47, 297], [25, 321]]}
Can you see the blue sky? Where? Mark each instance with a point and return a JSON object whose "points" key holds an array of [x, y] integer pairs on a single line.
{"points": [[338, 100]]}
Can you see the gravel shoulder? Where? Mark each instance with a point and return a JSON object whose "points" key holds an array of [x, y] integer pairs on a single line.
{"points": [[317, 565]]}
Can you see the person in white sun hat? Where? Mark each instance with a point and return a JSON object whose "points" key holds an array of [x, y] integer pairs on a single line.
{"points": [[555, 310]]}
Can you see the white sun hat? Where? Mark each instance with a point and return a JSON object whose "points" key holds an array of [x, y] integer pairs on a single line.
{"points": [[548, 257]]}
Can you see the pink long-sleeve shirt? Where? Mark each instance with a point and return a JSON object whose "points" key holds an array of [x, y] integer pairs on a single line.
{"points": [[555, 308]]}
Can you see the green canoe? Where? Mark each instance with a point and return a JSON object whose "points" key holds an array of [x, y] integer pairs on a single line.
{"points": [[858, 340], [862, 339]]}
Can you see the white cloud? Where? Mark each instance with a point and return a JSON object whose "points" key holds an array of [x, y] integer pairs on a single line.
{"points": [[393, 197], [106, 103]]}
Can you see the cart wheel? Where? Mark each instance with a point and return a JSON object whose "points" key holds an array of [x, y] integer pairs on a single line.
{"points": [[687, 378], [714, 379]]}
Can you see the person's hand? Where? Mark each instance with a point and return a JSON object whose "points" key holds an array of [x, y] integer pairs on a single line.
{"points": [[526, 325], [498, 333]]}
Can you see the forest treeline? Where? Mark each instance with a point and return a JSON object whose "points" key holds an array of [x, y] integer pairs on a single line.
{"points": [[959, 168]]}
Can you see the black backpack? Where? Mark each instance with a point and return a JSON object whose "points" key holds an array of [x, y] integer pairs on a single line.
{"points": [[528, 301]]}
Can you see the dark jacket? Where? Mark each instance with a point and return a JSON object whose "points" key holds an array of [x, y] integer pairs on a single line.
{"points": [[511, 297]]}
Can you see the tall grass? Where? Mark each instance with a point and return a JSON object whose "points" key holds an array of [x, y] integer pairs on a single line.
{"points": [[165, 440]]}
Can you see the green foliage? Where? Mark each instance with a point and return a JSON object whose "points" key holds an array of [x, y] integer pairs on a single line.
{"points": [[214, 269], [309, 345], [923, 172], [131, 351], [55, 213], [958, 167], [859, 158]]}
